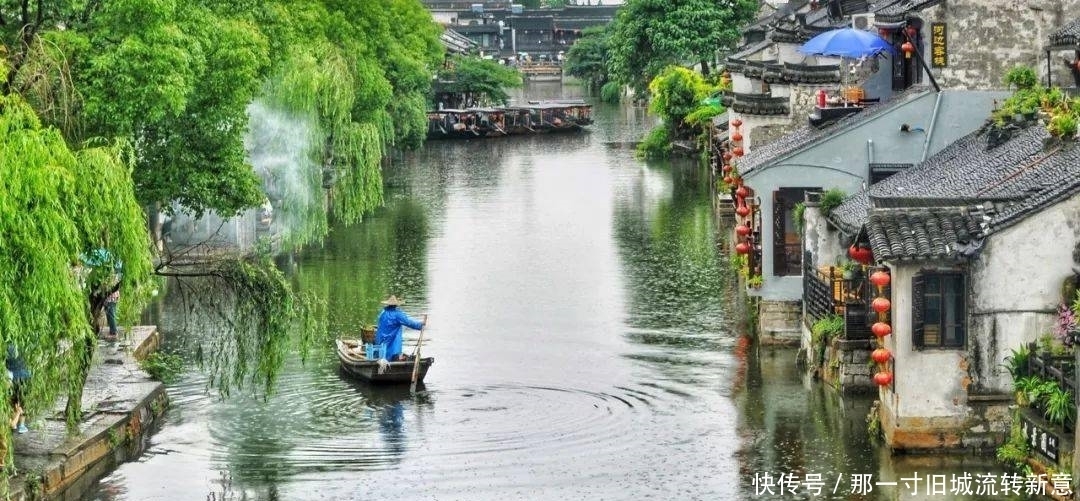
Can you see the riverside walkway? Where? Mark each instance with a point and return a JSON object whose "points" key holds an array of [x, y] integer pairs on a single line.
{"points": [[121, 405]]}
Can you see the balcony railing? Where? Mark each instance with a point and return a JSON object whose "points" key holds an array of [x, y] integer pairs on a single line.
{"points": [[1053, 367], [826, 291]]}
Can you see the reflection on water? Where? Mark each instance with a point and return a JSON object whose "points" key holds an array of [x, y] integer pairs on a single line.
{"points": [[577, 317]]}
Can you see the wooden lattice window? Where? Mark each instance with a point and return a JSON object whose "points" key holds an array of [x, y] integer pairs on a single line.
{"points": [[787, 243], [938, 313]]}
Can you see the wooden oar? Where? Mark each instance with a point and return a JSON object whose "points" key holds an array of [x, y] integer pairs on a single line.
{"points": [[416, 358]]}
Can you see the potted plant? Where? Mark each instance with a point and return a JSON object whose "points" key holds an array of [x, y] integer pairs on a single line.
{"points": [[849, 269], [1060, 408], [754, 282]]}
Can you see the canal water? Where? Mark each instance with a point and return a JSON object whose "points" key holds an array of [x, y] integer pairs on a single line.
{"points": [[578, 311]]}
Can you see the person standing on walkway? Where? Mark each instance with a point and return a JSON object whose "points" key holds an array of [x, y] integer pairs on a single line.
{"points": [[390, 325], [19, 374], [110, 312]]}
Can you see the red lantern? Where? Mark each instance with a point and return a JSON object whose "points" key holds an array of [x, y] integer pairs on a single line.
{"points": [[743, 211], [911, 31], [881, 305], [908, 48], [727, 156], [738, 181], [727, 169], [742, 230], [738, 151], [728, 179], [735, 122], [737, 136], [742, 191], [742, 248], [880, 278], [881, 355], [883, 378], [861, 254], [881, 329]]}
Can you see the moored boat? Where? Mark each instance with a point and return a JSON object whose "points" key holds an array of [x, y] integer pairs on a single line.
{"points": [[355, 363], [532, 118]]}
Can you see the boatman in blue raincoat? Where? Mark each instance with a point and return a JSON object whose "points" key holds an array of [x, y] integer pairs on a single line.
{"points": [[390, 323]]}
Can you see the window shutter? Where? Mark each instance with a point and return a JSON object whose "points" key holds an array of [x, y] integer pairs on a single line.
{"points": [[779, 237], [918, 304]]}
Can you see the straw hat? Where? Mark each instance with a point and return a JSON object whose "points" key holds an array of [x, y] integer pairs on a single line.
{"points": [[392, 301]]}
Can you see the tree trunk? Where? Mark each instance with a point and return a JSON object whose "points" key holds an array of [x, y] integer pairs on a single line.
{"points": [[704, 67]]}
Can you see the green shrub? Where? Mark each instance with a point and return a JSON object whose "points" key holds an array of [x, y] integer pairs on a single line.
{"points": [[1022, 77], [1062, 125], [656, 144], [163, 367], [1015, 451], [1017, 363], [611, 92], [1059, 405], [831, 199]]}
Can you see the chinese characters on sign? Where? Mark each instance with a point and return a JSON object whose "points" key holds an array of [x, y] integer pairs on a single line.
{"points": [[1041, 440], [963, 484], [939, 45]]}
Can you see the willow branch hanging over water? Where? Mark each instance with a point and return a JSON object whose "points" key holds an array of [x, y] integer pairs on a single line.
{"points": [[245, 318]]}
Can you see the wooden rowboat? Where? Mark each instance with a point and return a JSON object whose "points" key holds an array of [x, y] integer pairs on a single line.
{"points": [[354, 363]]}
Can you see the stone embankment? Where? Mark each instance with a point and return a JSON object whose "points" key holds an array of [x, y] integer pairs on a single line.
{"points": [[121, 406]]}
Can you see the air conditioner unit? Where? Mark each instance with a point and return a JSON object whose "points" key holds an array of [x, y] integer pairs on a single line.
{"points": [[863, 22]]}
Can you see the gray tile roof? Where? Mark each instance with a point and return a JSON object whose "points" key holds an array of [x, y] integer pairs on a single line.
{"points": [[721, 121], [1003, 184], [750, 50], [1068, 35], [925, 234], [897, 10], [806, 135]]}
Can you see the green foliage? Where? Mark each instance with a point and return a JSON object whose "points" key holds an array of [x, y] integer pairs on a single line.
{"points": [[655, 144], [587, 58], [798, 216], [164, 367], [827, 328], [57, 205], [483, 78], [1014, 452], [1017, 362], [822, 332], [702, 115], [1059, 406], [677, 96], [611, 92], [1063, 125], [266, 319], [191, 75], [1029, 98], [830, 200], [1022, 77], [649, 35], [755, 281]]}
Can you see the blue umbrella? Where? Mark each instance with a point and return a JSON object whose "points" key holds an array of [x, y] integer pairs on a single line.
{"points": [[846, 42]]}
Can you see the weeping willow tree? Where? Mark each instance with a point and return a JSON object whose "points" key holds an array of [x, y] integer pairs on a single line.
{"points": [[58, 205], [176, 81]]}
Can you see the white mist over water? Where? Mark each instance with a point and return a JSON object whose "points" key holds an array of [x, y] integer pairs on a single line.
{"points": [[279, 147]]}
